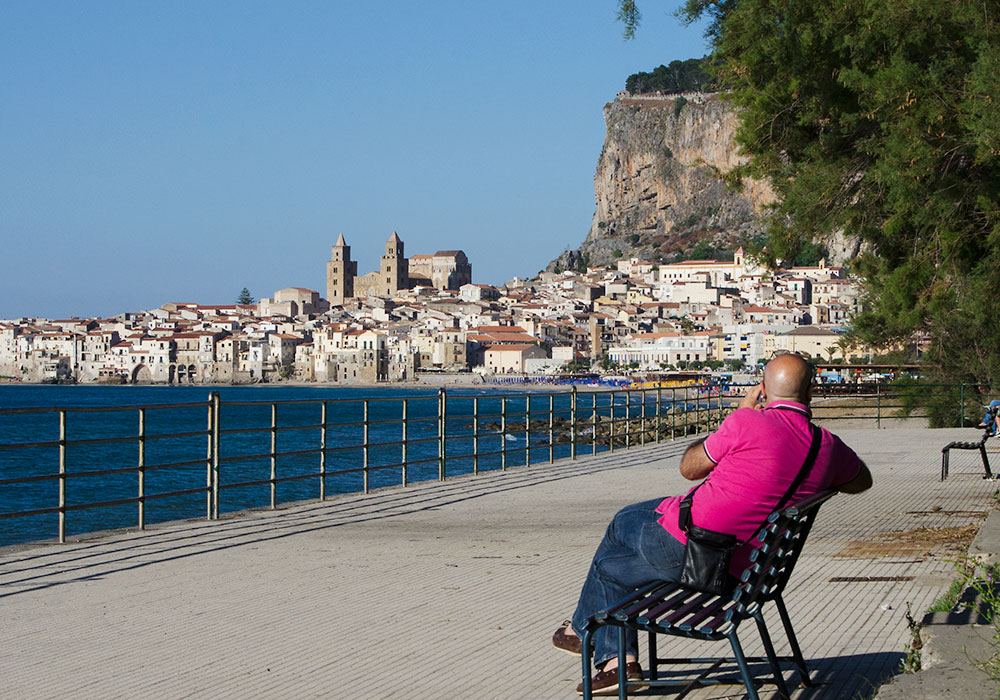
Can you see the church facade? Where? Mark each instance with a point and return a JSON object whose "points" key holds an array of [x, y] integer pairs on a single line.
{"points": [[446, 269]]}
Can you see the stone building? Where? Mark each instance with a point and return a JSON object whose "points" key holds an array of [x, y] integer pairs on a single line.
{"points": [[392, 274], [445, 269], [340, 273], [295, 301]]}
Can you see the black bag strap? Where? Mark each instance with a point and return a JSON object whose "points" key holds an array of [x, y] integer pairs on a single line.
{"points": [[684, 508]]}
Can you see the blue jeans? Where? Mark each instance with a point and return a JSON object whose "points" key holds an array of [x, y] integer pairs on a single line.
{"points": [[988, 418], [636, 550]]}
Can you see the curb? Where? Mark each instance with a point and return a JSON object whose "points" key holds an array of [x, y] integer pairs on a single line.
{"points": [[954, 642]]}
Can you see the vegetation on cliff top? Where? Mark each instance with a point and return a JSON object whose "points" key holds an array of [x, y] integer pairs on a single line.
{"points": [[693, 74], [881, 120]]}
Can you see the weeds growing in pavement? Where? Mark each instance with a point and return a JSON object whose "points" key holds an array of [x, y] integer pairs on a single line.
{"points": [[911, 662], [948, 601], [985, 581]]}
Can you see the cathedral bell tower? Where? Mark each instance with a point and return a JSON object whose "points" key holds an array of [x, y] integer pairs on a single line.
{"points": [[340, 273], [394, 267]]}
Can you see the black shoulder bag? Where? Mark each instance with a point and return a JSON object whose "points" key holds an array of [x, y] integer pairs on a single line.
{"points": [[707, 553]]}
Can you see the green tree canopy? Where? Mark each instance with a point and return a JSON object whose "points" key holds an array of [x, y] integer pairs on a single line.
{"points": [[880, 120], [679, 76], [244, 297]]}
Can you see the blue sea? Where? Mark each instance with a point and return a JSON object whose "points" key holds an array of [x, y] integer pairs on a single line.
{"points": [[245, 443]]}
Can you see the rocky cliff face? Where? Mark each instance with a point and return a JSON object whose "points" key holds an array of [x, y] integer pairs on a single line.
{"points": [[659, 187]]}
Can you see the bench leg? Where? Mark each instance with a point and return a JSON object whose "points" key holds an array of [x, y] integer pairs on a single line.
{"points": [[793, 642], [587, 642], [944, 464], [741, 661], [622, 675], [986, 461], [772, 658], [654, 668]]}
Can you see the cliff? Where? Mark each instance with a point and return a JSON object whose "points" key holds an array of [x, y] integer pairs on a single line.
{"points": [[658, 185]]}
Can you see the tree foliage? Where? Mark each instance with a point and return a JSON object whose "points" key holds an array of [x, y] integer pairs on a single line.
{"points": [[678, 76], [880, 120], [244, 297]]}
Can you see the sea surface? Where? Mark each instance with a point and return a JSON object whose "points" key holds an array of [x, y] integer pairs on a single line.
{"points": [[96, 416]]}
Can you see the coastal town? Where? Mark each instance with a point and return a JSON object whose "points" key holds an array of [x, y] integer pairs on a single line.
{"points": [[423, 314]]}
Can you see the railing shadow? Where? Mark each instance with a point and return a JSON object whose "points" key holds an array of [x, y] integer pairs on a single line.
{"points": [[848, 677], [31, 570]]}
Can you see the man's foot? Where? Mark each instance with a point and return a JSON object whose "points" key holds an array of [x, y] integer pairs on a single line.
{"points": [[566, 640], [606, 682]]}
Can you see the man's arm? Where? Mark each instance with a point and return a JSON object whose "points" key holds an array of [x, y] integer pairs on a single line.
{"points": [[695, 463], [862, 482]]}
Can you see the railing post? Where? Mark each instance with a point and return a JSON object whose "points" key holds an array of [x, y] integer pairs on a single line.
{"points": [[719, 403], [878, 405], [697, 407], [475, 435], [572, 419], [442, 427], [552, 433], [628, 419], [593, 422], [322, 452], [404, 475], [503, 433], [142, 468], [962, 405], [642, 418], [659, 410], [62, 476], [274, 456], [210, 451], [611, 424], [216, 447], [527, 430], [673, 413], [364, 445], [687, 397]]}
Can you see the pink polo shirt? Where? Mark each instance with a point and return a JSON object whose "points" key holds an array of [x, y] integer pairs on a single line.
{"points": [[757, 456]]}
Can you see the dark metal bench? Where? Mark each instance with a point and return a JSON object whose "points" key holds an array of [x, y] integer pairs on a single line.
{"points": [[979, 445], [671, 609]]}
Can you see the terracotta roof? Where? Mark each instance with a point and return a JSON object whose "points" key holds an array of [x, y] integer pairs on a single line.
{"points": [[498, 329], [518, 347]]}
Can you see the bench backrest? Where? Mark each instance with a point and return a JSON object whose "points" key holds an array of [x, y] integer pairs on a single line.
{"points": [[772, 561]]}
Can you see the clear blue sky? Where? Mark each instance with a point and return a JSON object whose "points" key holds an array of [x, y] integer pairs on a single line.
{"points": [[181, 150]]}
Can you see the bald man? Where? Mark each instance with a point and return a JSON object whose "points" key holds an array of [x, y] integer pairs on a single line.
{"points": [[747, 465]]}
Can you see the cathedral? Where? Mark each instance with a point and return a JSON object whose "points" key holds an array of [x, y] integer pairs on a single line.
{"points": [[445, 269]]}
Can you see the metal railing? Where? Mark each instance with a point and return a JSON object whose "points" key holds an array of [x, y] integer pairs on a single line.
{"points": [[253, 454], [120, 467]]}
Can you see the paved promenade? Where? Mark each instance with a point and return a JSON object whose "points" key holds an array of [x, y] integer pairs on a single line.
{"points": [[451, 590]]}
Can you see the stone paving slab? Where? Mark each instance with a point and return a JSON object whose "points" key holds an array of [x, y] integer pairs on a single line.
{"points": [[447, 590]]}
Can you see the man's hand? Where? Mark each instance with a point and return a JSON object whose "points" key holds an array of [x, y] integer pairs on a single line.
{"points": [[750, 400]]}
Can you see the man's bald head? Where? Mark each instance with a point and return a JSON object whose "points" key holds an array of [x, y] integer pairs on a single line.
{"points": [[788, 378]]}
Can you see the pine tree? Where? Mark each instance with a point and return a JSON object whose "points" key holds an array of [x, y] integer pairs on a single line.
{"points": [[880, 120]]}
